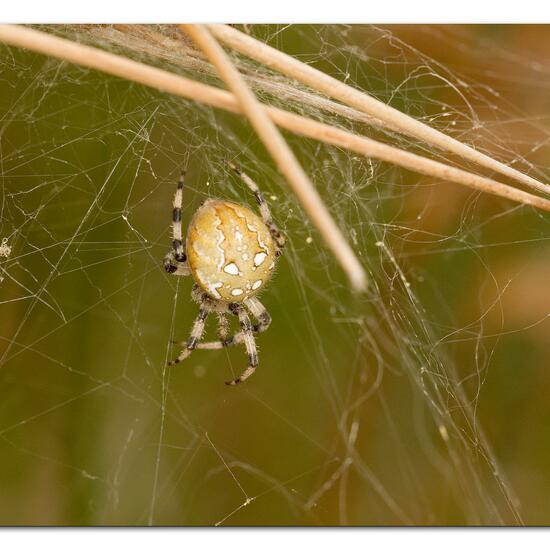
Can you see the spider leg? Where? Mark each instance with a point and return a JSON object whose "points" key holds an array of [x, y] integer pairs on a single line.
{"points": [[175, 261], [196, 333], [258, 310], [223, 326], [223, 335], [265, 212], [250, 344], [260, 313]]}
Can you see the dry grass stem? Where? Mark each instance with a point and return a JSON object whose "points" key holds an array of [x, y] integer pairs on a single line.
{"points": [[164, 81], [396, 120], [282, 155], [371, 148], [142, 40]]}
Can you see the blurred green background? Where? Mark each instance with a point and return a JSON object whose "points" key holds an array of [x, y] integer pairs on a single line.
{"points": [[424, 401]]}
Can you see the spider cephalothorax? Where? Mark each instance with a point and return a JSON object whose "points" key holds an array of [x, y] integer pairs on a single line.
{"points": [[231, 253]]}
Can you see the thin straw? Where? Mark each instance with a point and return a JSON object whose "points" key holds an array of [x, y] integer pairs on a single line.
{"points": [[396, 120], [165, 81]]}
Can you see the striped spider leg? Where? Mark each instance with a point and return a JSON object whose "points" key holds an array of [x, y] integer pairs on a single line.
{"points": [[265, 212], [175, 261], [245, 335]]}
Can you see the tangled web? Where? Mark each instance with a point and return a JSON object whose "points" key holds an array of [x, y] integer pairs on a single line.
{"points": [[421, 402]]}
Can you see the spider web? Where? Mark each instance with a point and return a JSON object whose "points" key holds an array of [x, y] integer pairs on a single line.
{"points": [[421, 402]]}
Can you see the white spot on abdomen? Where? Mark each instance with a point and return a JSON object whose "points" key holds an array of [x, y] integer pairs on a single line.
{"points": [[259, 258], [236, 292], [257, 284], [231, 268]]}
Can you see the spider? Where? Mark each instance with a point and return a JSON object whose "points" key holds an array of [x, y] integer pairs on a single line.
{"points": [[231, 253]]}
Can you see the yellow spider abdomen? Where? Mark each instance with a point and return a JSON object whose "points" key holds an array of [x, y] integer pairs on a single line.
{"points": [[230, 251]]}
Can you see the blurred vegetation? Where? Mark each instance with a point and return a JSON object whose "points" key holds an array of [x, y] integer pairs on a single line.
{"points": [[95, 430]]}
